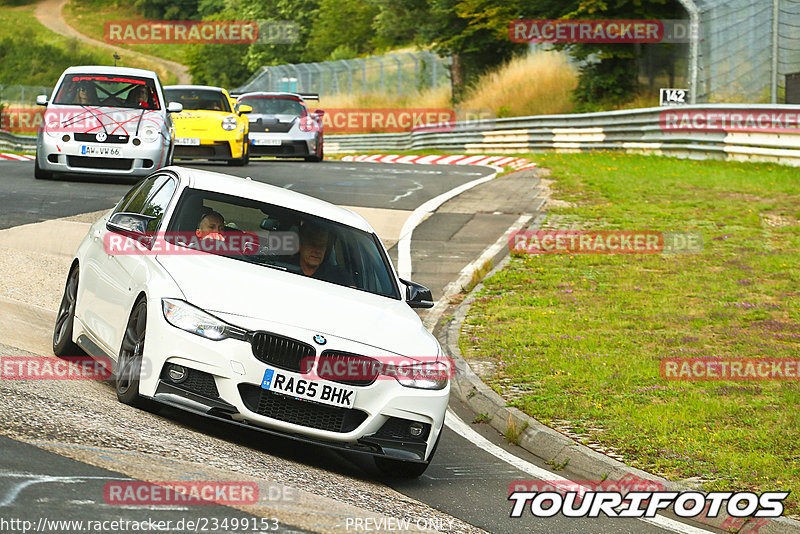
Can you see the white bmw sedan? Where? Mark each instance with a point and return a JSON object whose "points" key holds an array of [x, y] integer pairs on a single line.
{"points": [[262, 307]]}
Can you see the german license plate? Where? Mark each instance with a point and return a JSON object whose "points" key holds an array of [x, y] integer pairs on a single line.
{"points": [[266, 141], [107, 151], [187, 141], [314, 390]]}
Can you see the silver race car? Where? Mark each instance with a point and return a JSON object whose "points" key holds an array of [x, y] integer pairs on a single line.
{"points": [[281, 126], [105, 120]]}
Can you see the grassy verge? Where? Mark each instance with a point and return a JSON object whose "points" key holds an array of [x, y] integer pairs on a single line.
{"points": [[91, 15], [576, 340], [30, 54]]}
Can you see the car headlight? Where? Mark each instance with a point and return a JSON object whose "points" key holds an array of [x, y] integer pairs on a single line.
{"points": [[53, 128], [229, 123], [183, 315], [429, 375], [150, 134]]}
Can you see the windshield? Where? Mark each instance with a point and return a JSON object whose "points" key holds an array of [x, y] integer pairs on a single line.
{"points": [[291, 241], [108, 90], [198, 99], [274, 105]]}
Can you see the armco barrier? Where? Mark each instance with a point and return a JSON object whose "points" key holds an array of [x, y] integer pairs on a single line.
{"points": [[635, 130], [17, 143]]}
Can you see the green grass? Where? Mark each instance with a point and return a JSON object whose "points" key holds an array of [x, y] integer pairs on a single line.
{"points": [[90, 16], [578, 339], [30, 54]]}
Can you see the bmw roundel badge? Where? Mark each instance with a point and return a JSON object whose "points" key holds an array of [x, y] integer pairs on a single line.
{"points": [[320, 340]]}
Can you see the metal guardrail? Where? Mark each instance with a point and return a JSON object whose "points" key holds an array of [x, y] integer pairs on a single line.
{"points": [[636, 130], [17, 143]]}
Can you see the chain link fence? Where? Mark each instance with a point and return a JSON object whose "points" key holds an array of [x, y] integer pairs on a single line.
{"points": [[744, 49], [18, 110], [401, 73], [21, 95]]}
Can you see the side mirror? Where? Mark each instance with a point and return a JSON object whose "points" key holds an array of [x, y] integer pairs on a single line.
{"points": [[319, 112], [417, 295], [174, 107], [133, 225], [244, 108], [41, 100]]}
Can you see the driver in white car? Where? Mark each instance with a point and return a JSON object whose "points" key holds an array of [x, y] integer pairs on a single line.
{"points": [[311, 258]]}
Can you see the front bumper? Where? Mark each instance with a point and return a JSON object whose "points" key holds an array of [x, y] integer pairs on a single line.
{"points": [[291, 145], [223, 146], [68, 157], [225, 384]]}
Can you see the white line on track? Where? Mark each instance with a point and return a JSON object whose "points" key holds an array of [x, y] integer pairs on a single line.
{"points": [[404, 243], [452, 421], [457, 425]]}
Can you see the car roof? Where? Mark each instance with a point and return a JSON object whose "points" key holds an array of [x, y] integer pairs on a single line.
{"points": [[105, 69], [253, 189], [211, 87]]}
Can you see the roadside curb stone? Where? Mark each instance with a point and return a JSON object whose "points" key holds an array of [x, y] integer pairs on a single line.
{"points": [[556, 448]]}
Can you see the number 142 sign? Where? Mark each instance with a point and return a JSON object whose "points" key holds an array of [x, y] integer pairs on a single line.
{"points": [[673, 97]]}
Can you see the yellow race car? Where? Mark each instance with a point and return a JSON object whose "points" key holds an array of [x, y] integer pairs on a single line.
{"points": [[211, 125]]}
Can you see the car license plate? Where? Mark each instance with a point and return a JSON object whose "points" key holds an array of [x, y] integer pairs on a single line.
{"points": [[107, 151], [190, 141], [314, 390], [266, 142]]}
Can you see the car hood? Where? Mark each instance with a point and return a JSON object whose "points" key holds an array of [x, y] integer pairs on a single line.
{"points": [[227, 286], [201, 114], [96, 119], [279, 123]]}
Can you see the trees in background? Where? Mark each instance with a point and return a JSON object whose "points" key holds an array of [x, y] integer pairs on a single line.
{"points": [[473, 32]]}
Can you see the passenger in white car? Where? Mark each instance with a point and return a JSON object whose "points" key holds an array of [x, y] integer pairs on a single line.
{"points": [[211, 226]]}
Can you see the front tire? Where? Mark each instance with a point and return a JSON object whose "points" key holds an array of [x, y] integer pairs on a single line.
{"points": [[318, 155], [129, 362], [62, 332], [245, 159], [38, 172]]}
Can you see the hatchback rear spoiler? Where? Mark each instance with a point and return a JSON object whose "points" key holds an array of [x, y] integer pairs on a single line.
{"points": [[309, 96]]}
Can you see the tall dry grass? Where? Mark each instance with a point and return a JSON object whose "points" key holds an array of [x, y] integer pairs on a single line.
{"points": [[429, 98], [537, 84]]}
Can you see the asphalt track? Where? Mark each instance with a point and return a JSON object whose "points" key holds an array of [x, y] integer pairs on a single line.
{"points": [[463, 480]]}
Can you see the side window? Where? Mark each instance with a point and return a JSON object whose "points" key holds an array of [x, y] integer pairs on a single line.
{"points": [[151, 198], [136, 202], [157, 205], [128, 196]]}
